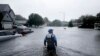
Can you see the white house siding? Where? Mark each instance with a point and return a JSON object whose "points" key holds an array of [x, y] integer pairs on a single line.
{"points": [[7, 25], [21, 21]]}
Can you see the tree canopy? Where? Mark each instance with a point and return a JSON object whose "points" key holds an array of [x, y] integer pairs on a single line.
{"points": [[55, 23], [87, 21], [70, 24], [35, 19], [46, 20]]}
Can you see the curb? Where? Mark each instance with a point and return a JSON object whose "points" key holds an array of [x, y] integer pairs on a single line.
{"points": [[8, 37]]}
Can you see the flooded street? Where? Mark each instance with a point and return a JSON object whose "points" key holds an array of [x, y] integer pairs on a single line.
{"points": [[71, 42]]}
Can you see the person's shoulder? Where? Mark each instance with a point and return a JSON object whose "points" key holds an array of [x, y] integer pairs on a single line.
{"points": [[53, 35], [48, 35]]}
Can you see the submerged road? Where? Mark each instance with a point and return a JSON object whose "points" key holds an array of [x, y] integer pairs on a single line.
{"points": [[71, 42]]}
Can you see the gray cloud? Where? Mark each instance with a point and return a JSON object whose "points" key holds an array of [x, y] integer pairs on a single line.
{"points": [[54, 9]]}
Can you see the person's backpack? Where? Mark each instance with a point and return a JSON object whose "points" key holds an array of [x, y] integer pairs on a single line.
{"points": [[50, 40]]}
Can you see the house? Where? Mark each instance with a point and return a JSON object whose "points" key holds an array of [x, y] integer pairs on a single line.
{"points": [[7, 20], [7, 17], [20, 20]]}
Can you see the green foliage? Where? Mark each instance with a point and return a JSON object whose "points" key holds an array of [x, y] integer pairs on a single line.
{"points": [[35, 19], [55, 23], [70, 24], [87, 21], [98, 14], [98, 18], [46, 20]]}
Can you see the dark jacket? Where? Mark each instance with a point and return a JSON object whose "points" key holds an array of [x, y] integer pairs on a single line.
{"points": [[53, 39]]}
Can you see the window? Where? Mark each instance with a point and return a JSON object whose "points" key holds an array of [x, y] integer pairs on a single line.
{"points": [[1, 16]]}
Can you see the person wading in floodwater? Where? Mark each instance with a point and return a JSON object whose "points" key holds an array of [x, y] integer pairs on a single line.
{"points": [[50, 42]]}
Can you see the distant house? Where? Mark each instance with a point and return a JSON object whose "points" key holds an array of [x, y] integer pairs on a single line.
{"points": [[20, 20], [7, 17]]}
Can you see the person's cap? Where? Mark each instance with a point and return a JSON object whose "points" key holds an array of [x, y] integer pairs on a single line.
{"points": [[50, 30]]}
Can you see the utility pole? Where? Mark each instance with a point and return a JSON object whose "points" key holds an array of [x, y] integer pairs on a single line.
{"points": [[63, 18], [64, 15]]}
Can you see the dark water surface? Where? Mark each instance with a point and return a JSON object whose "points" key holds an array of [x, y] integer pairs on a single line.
{"points": [[71, 42]]}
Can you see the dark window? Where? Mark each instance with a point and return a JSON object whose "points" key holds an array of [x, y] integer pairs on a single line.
{"points": [[1, 17]]}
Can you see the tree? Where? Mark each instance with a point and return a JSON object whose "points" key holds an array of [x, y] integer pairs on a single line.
{"points": [[46, 20], [64, 23], [70, 24], [87, 21], [55, 23], [35, 19], [98, 18], [98, 15]]}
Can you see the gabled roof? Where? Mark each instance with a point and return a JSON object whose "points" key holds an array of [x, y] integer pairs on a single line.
{"points": [[19, 17], [4, 7]]}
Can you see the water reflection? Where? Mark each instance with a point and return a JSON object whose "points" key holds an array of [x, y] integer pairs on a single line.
{"points": [[49, 53], [71, 42], [97, 37]]}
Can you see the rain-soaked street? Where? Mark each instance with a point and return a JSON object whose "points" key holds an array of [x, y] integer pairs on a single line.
{"points": [[71, 42]]}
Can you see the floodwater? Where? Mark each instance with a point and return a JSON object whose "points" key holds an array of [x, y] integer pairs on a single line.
{"points": [[71, 42]]}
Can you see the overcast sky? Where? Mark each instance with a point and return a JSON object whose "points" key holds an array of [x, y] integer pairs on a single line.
{"points": [[55, 9]]}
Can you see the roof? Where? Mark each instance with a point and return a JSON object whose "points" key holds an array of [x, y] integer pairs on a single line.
{"points": [[19, 17], [4, 7]]}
